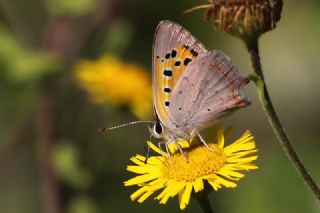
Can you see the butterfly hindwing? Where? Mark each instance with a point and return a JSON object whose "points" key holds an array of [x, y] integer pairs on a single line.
{"points": [[174, 49], [208, 89]]}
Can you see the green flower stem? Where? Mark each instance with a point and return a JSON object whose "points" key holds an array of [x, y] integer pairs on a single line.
{"points": [[204, 203], [278, 129]]}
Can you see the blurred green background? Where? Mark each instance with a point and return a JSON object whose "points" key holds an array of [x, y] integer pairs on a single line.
{"points": [[53, 160]]}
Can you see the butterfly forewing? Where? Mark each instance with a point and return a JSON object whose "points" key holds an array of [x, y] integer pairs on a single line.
{"points": [[207, 90], [174, 49]]}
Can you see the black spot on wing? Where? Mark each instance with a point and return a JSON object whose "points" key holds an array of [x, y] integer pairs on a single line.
{"points": [[166, 89], [167, 73], [167, 56], [194, 52], [187, 61], [185, 46], [167, 103], [173, 53], [177, 63]]}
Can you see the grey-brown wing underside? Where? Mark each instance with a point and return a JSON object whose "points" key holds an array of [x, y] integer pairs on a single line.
{"points": [[208, 89]]}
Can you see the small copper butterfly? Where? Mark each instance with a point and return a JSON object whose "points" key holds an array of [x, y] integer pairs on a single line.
{"points": [[192, 87]]}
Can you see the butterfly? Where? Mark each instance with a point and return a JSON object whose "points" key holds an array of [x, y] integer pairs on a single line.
{"points": [[193, 88]]}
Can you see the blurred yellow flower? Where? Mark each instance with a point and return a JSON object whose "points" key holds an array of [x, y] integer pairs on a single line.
{"points": [[220, 168], [110, 80]]}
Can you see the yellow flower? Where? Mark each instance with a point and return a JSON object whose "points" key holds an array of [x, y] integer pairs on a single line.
{"points": [[110, 80], [220, 168]]}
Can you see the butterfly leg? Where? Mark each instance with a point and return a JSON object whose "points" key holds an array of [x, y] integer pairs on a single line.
{"points": [[179, 147], [181, 151], [168, 151], [202, 140], [167, 148], [160, 147]]}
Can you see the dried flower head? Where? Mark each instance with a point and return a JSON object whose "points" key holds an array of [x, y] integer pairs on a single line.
{"points": [[243, 18]]}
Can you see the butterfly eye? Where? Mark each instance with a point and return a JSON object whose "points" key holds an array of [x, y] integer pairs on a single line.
{"points": [[158, 128]]}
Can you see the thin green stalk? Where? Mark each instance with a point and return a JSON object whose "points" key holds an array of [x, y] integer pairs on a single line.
{"points": [[277, 127], [204, 203]]}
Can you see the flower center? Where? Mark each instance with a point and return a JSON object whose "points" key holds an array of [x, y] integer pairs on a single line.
{"points": [[201, 162]]}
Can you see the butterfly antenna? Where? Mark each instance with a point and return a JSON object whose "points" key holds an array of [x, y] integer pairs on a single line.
{"points": [[123, 125]]}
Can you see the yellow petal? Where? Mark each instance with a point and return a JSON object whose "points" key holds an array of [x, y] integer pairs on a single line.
{"points": [[173, 191], [157, 184], [242, 160], [226, 183], [156, 149], [198, 185], [220, 137], [231, 174], [237, 155], [139, 169], [215, 185], [164, 192], [140, 179], [185, 197], [145, 196], [138, 159], [138, 193]]}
